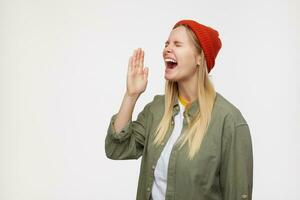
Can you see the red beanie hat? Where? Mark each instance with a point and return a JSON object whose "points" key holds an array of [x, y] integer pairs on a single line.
{"points": [[208, 38]]}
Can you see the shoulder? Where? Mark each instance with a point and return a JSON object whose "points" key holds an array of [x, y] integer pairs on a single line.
{"points": [[155, 107], [159, 98], [157, 102], [232, 121], [225, 109]]}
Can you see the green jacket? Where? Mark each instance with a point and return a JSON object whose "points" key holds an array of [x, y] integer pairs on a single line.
{"points": [[222, 169]]}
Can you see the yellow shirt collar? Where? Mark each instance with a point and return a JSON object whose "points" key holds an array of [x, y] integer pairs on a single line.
{"points": [[183, 101]]}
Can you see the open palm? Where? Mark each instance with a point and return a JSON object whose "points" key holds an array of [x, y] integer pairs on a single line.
{"points": [[137, 74]]}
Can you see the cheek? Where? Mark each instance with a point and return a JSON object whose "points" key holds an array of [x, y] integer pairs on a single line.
{"points": [[187, 58]]}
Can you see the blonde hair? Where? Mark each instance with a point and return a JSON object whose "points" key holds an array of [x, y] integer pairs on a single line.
{"points": [[197, 126]]}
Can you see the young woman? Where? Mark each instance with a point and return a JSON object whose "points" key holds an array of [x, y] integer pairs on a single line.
{"points": [[195, 145]]}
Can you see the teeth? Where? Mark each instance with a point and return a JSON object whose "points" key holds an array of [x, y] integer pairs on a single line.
{"points": [[170, 60]]}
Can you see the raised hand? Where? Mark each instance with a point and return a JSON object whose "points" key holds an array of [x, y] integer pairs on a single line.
{"points": [[137, 74]]}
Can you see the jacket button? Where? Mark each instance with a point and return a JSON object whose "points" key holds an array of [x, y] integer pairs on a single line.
{"points": [[172, 122], [244, 196], [148, 189], [153, 167]]}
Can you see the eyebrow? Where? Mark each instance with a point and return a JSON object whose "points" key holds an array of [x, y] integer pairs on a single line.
{"points": [[176, 42]]}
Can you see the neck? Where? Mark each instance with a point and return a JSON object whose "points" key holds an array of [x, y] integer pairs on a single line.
{"points": [[188, 90]]}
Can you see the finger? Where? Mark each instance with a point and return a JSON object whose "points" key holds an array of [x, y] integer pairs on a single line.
{"points": [[130, 67], [138, 57], [146, 72], [137, 68], [133, 63], [142, 58], [140, 61]]}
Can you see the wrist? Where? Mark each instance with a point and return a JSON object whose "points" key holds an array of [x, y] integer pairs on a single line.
{"points": [[132, 96]]}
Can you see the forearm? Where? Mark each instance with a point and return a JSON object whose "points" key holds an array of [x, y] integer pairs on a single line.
{"points": [[125, 112]]}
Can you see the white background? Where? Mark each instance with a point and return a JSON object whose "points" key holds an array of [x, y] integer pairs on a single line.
{"points": [[62, 75]]}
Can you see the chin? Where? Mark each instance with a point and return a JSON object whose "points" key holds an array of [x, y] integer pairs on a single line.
{"points": [[169, 78]]}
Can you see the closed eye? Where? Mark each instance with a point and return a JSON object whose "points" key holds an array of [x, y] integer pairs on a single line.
{"points": [[177, 43]]}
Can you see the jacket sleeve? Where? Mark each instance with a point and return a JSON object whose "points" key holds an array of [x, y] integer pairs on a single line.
{"points": [[129, 143], [236, 171]]}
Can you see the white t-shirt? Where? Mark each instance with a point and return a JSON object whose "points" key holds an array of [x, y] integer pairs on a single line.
{"points": [[161, 170]]}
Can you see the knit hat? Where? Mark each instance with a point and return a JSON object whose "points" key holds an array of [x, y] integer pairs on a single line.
{"points": [[208, 38]]}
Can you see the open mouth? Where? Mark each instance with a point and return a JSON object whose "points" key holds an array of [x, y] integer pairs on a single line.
{"points": [[170, 63]]}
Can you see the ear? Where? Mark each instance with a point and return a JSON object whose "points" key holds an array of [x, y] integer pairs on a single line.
{"points": [[198, 59]]}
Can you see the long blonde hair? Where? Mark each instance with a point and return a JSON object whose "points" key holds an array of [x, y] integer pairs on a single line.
{"points": [[197, 126]]}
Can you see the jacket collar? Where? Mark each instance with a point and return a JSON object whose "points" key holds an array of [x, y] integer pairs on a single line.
{"points": [[192, 109]]}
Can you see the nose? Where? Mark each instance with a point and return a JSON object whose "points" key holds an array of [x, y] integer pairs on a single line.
{"points": [[168, 49]]}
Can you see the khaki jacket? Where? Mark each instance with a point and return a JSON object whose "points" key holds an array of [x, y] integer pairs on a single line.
{"points": [[222, 169]]}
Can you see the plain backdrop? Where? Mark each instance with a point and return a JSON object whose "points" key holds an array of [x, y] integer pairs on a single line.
{"points": [[63, 71]]}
